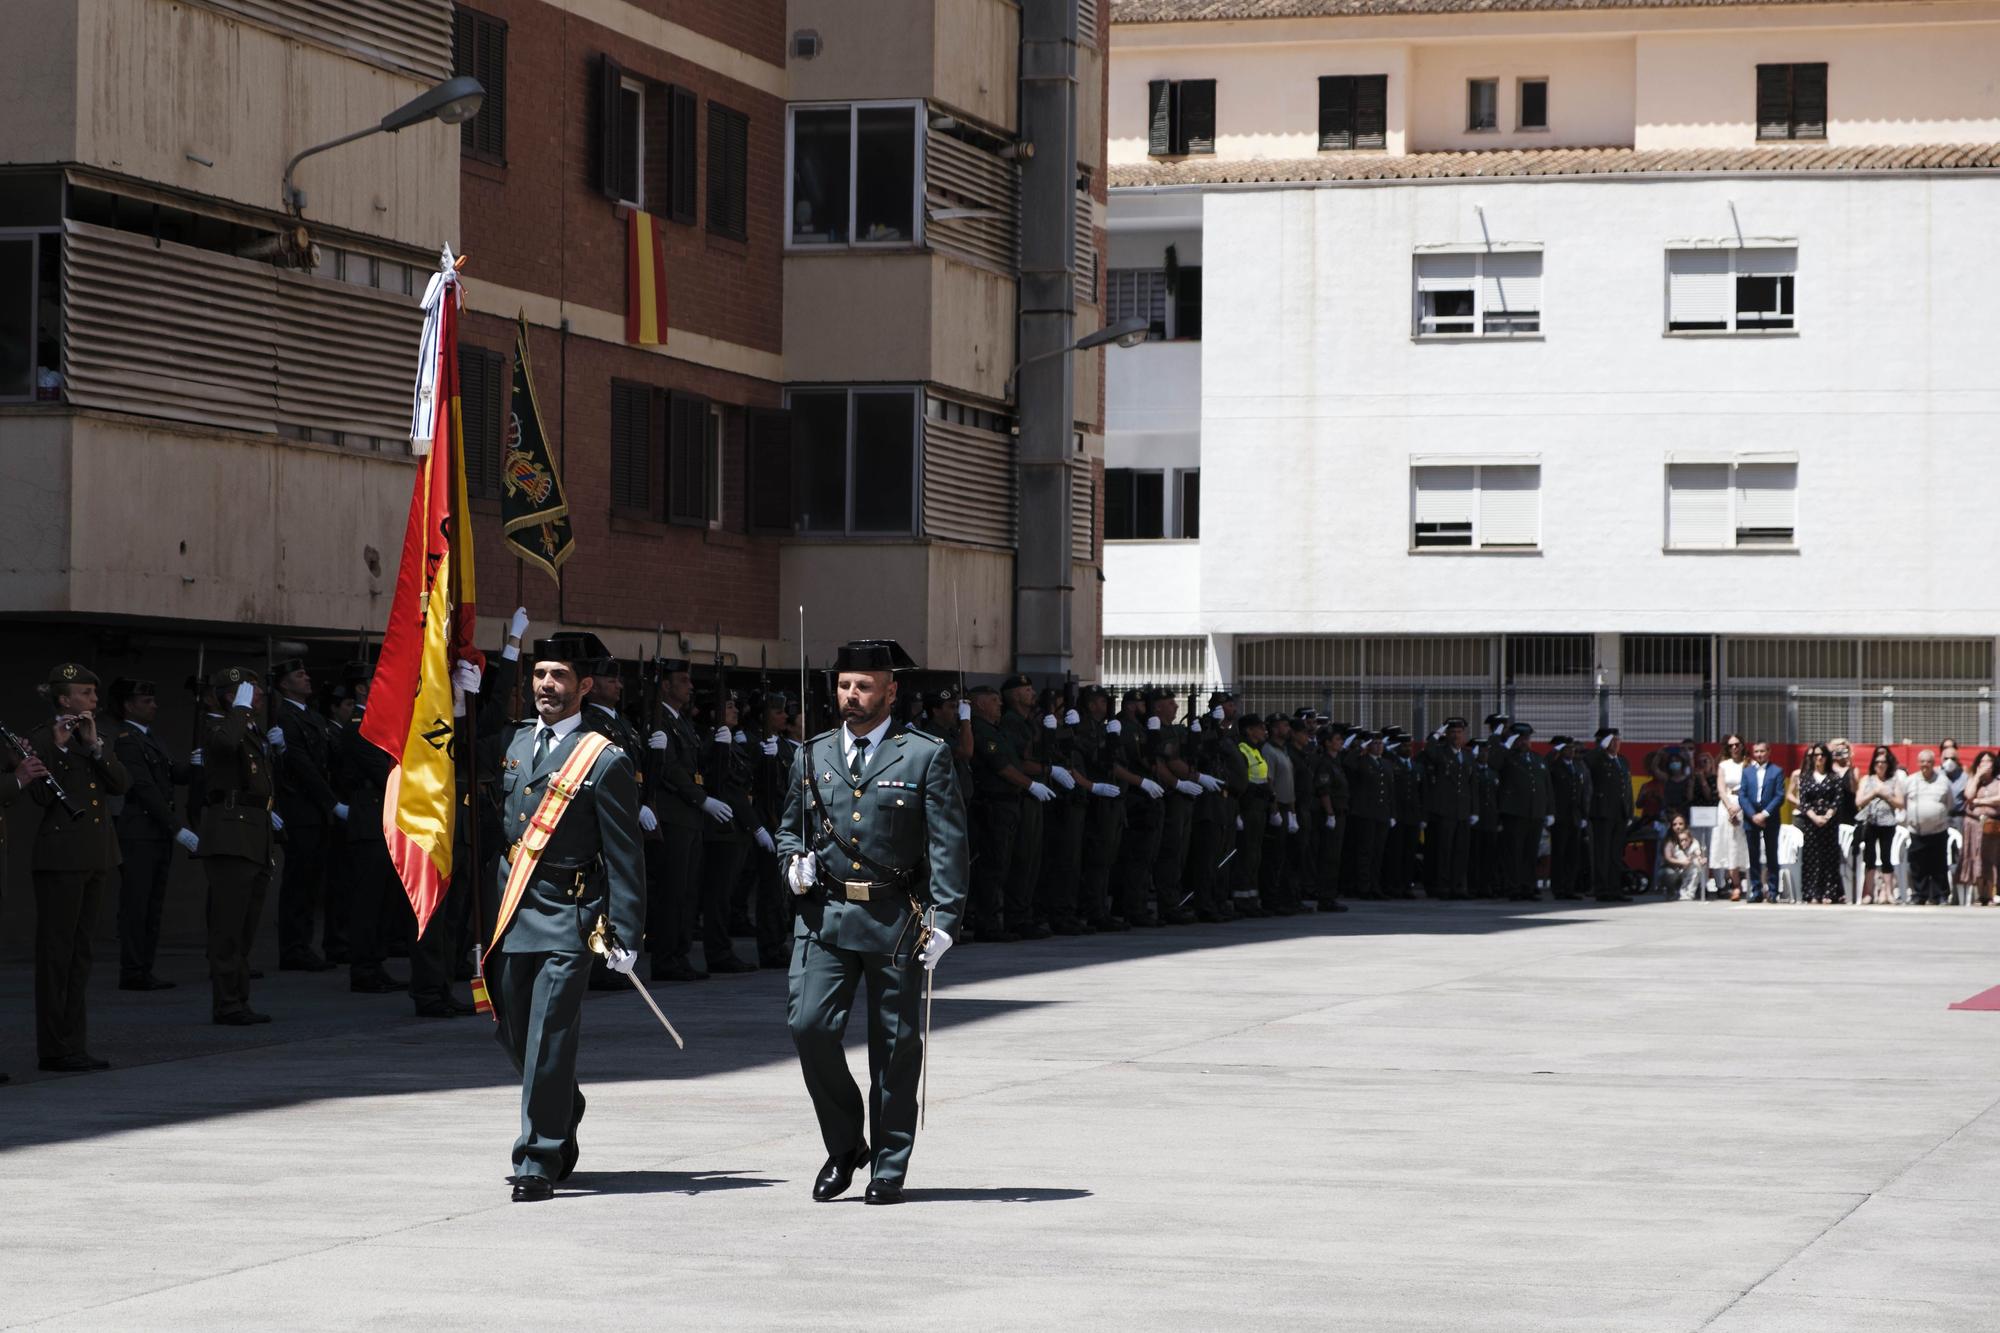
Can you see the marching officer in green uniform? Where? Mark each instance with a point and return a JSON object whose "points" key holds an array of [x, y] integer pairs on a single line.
{"points": [[75, 862], [238, 840], [1610, 816], [1569, 807], [572, 882], [1524, 811], [148, 829], [874, 842]]}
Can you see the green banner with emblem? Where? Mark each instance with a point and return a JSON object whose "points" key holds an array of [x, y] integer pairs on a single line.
{"points": [[534, 512]]}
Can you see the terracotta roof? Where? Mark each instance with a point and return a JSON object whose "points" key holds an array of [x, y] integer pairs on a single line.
{"points": [[1190, 11], [1555, 162]]}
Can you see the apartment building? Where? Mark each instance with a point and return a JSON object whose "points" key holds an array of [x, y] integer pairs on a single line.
{"points": [[1604, 359]]}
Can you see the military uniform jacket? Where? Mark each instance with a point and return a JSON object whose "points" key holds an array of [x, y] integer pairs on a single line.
{"points": [[593, 863], [305, 784], [772, 773], [1524, 782], [1447, 781], [1371, 792], [1569, 791], [905, 815], [993, 753], [1022, 735], [1333, 780], [1486, 793], [10, 791], [89, 841], [726, 776], [361, 769], [236, 788], [148, 815], [671, 782], [1409, 792], [1610, 784]]}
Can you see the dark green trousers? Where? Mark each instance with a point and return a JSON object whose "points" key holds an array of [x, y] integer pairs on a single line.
{"points": [[823, 982], [538, 998], [236, 890], [996, 822], [65, 912], [1025, 870], [1170, 861], [1104, 830]]}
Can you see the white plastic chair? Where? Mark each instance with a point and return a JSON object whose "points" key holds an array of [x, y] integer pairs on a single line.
{"points": [[1954, 848], [1790, 842], [1899, 863], [1847, 864]]}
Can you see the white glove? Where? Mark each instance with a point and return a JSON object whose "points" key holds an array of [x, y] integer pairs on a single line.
{"points": [[195, 758], [1216, 712], [277, 823], [802, 873], [964, 711], [648, 821], [723, 736], [517, 624], [187, 839], [1103, 789], [719, 811], [1048, 721], [1152, 724], [1039, 792], [1277, 818], [1194, 726], [1208, 781], [769, 745], [244, 693], [1392, 823], [1472, 821], [1329, 823], [657, 741], [1548, 821], [934, 948], [741, 739], [1186, 788], [1114, 727], [621, 960], [1583, 823], [1438, 735], [1152, 788], [1292, 822], [765, 841], [1508, 744], [340, 811], [275, 738], [1239, 823], [1062, 777], [466, 677], [1071, 719]]}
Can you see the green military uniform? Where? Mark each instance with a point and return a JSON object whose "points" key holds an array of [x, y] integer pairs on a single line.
{"points": [[1331, 802], [1371, 803], [1063, 820], [886, 834], [1024, 868], [305, 804], [238, 846], [1198, 879], [996, 826], [1104, 816], [147, 828], [1447, 782], [1176, 817], [1145, 814], [1524, 812], [1483, 862], [771, 905], [1610, 818], [1569, 804], [675, 795], [726, 775]]}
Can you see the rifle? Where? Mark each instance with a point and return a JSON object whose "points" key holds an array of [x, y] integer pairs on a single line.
{"points": [[197, 685]]}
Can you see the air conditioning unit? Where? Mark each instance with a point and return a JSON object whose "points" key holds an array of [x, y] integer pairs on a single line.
{"points": [[805, 44]]}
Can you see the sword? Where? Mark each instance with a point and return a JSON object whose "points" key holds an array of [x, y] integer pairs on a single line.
{"points": [[602, 936], [924, 1088]]}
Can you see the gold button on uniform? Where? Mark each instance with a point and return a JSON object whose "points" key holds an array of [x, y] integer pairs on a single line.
{"points": [[857, 816]]}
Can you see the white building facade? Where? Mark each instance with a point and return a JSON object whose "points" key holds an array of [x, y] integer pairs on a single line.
{"points": [[1646, 370]]}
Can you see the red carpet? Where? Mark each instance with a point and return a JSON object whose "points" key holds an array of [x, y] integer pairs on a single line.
{"points": [[1986, 999]]}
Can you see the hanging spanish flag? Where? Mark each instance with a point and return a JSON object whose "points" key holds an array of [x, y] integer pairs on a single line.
{"points": [[645, 281], [410, 714]]}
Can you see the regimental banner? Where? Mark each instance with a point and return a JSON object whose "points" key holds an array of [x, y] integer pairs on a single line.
{"points": [[645, 281], [534, 511]]}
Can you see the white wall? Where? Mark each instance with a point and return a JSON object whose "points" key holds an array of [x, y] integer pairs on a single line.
{"points": [[1590, 93], [1153, 390], [1152, 588], [1315, 397]]}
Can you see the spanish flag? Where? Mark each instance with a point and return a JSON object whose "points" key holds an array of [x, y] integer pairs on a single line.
{"points": [[645, 281], [410, 714]]}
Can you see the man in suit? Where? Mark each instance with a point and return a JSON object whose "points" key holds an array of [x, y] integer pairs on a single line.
{"points": [[588, 872], [1610, 816], [874, 844], [148, 830], [1761, 796], [75, 864], [238, 839], [310, 811]]}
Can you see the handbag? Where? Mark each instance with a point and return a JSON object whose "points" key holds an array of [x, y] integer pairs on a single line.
{"points": [[1989, 826]]}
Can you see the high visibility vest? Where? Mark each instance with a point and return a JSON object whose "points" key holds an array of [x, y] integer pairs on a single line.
{"points": [[1260, 771]]}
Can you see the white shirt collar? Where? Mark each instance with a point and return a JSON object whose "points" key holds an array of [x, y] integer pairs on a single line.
{"points": [[295, 703], [672, 711], [139, 727], [558, 729], [874, 739], [606, 709]]}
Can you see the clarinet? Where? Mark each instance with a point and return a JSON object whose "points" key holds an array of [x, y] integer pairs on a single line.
{"points": [[27, 751]]}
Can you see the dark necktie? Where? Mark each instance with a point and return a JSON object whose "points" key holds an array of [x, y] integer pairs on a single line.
{"points": [[543, 740], [859, 761]]}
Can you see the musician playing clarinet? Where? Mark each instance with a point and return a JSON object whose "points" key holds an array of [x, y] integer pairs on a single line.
{"points": [[18, 771]]}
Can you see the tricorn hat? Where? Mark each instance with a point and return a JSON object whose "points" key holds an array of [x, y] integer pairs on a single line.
{"points": [[872, 655], [581, 650], [282, 669]]}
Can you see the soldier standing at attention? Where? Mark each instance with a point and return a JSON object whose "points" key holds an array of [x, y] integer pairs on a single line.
{"points": [[308, 810], [1104, 816], [1569, 807], [770, 905], [1231, 774], [1447, 795], [75, 863], [726, 777], [676, 797], [16, 771], [375, 897], [238, 840], [1062, 828], [1371, 801], [1143, 816], [147, 831], [1017, 723], [570, 800], [1333, 815], [874, 843], [1253, 812], [1000, 789], [1610, 816], [1483, 874]]}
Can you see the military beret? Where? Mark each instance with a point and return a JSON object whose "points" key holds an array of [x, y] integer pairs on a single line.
{"points": [[1092, 691], [65, 674], [1016, 681], [1221, 697], [231, 677], [1132, 696], [978, 690], [938, 698]]}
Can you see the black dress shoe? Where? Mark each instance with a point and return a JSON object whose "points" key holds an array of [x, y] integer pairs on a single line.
{"points": [[241, 1018], [304, 962], [1112, 925], [339, 957], [884, 1191], [677, 971], [1038, 931], [72, 1064], [1331, 906], [838, 1174], [532, 1189], [729, 964], [256, 976], [379, 984], [1616, 898], [144, 983], [442, 1008]]}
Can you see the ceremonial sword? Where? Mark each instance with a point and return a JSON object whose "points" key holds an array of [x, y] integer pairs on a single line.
{"points": [[601, 946]]}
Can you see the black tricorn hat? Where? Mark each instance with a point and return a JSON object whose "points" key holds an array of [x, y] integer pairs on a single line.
{"points": [[582, 650], [938, 698], [872, 655], [125, 688], [1220, 697], [279, 670], [1523, 729]]}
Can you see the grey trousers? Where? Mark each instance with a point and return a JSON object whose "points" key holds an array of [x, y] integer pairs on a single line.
{"points": [[823, 982], [538, 998]]}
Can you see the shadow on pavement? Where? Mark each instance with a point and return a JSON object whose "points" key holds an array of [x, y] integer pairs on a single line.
{"points": [[664, 1182], [994, 1196]]}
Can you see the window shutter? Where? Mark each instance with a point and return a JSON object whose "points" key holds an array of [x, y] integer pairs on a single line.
{"points": [[1767, 261], [1510, 506], [682, 116], [1697, 506], [1766, 503], [1197, 107], [1117, 504], [1446, 273], [1371, 111], [728, 171], [631, 429], [687, 458], [610, 154], [1187, 302], [1442, 506], [1774, 101], [1160, 118], [1336, 111], [1512, 282], [770, 451], [1700, 292], [1809, 101], [480, 375]]}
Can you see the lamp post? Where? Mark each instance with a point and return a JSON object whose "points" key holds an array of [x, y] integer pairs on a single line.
{"points": [[1129, 332], [454, 101]]}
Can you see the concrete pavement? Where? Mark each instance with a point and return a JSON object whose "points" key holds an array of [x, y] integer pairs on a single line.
{"points": [[1663, 1116]]}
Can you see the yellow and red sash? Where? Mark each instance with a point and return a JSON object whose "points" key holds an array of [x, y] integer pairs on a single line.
{"points": [[555, 801]]}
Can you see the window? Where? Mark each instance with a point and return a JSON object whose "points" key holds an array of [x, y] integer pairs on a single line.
{"points": [[479, 48], [1187, 510], [1168, 300], [1354, 111], [1181, 117], [1748, 290], [1533, 104], [1476, 506], [855, 171], [1720, 506], [692, 465], [631, 448], [728, 172], [482, 386], [1791, 101], [31, 316], [1483, 294], [643, 149], [855, 460], [1135, 506], [1482, 104], [769, 481], [672, 120]]}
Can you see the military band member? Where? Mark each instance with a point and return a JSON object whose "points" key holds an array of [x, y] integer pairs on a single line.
{"points": [[1610, 816], [310, 811], [589, 871], [874, 841], [238, 838], [683, 809], [148, 831]]}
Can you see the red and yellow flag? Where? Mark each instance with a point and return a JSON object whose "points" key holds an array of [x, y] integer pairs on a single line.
{"points": [[645, 281], [430, 626]]}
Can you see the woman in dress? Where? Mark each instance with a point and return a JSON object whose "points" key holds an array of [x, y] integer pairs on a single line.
{"points": [[1682, 862], [1728, 848], [1971, 865], [1876, 802], [1982, 810], [1843, 768], [1819, 789]]}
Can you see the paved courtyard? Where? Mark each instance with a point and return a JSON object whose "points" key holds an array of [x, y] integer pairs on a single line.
{"points": [[1661, 1116]]}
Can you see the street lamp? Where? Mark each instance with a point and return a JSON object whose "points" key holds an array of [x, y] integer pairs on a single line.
{"points": [[1128, 332], [454, 101]]}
